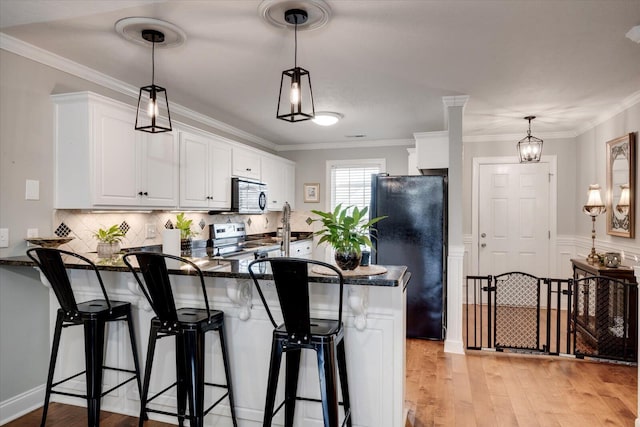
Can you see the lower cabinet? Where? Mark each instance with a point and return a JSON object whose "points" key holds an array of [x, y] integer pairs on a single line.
{"points": [[302, 249]]}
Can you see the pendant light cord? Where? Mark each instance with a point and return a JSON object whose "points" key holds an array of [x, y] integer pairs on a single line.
{"points": [[295, 49], [153, 62]]}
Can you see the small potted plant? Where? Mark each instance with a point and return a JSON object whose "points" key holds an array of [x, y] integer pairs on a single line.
{"points": [[346, 230], [108, 241], [184, 225]]}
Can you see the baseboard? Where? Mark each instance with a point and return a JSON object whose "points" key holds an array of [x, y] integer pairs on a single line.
{"points": [[455, 347], [21, 404]]}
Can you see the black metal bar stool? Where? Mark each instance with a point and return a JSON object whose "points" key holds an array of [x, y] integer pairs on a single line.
{"points": [[93, 316], [300, 331], [188, 326]]}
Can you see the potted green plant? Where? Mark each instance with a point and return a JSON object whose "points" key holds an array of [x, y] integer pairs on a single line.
{"points": [[346, 230], [184, 225], [108, 240]]}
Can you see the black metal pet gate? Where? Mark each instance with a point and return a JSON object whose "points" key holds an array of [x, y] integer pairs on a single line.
{"points": [[588, 317]]}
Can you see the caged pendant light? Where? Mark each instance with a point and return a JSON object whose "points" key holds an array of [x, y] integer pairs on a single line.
{"points": [[152, 100], [296, 104], [530, 147]]}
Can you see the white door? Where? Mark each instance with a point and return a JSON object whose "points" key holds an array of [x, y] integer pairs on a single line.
{"points": [[159, 170], [513, 219]]}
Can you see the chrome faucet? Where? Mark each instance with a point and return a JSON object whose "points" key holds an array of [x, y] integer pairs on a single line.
{"points": [[286, 229]]}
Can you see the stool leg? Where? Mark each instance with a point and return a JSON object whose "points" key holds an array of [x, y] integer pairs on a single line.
{"points": [[94, 355], [272, 383], [151, 348], [344, 384], [227, 372], [52, 364], [291, 385], [134, 349], [328, 388], [194, 366], [181, 386]]}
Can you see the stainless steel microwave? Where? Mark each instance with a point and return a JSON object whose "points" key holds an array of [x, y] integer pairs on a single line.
{"points": [[248, 197]]}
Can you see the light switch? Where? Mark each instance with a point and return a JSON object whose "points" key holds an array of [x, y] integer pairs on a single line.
{"points": [[32, 191], [4, 237]]}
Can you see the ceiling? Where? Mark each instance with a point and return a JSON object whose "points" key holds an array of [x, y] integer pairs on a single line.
{"points": [[384, 64]]}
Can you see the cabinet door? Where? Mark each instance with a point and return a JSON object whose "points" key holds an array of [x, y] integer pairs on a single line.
{"points": [[273, 176], [219, 175], [159, 171], [116, 157], [246, 163], [302, 249], [194, 171], [289, 185]]}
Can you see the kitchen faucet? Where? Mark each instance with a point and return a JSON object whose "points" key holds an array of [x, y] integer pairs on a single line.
{"points": [[286, 228]]}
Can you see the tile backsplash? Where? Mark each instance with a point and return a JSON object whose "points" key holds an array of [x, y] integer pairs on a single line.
{"points": [[81, 225]]}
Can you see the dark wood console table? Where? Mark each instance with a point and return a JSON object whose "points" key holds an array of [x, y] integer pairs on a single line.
{"points": [[606, 311]]}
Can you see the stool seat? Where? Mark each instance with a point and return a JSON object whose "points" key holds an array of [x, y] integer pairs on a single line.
{"points": [[188, 326], [298, 332], [93, 316]]}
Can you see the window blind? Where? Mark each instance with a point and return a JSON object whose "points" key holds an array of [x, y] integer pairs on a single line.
{"points": [[351, 184]]}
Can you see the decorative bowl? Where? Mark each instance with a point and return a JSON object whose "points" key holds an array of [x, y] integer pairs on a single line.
{"points": [[48, 242]]}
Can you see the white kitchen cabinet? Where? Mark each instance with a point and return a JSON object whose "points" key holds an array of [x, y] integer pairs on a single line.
{"points": [[302, 249], [246, 163], [205, 172], [279, 175], [102, 161]]}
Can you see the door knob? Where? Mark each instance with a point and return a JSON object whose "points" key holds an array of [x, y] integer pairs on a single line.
{"points": [[483, 235], [484, 245]]}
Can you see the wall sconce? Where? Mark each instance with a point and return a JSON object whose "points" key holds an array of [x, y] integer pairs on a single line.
{"points": [[298, 80], [149, 115], [593, 208], [623, 204], [530, 147]]}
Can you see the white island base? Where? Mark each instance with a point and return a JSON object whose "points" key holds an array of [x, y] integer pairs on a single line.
{"points": [[374, 318]]}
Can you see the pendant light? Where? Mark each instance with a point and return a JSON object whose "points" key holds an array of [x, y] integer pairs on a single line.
{"points": [[530, 147], [296, 103], [152, 100]]}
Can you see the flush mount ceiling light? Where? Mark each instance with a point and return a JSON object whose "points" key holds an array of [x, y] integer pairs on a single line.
{"points": [[634, 34], [530, 147], [297, 103], [327, 118]]}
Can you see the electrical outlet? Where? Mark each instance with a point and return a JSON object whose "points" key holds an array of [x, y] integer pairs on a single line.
{"points": [[4, 237], [150, 231]]}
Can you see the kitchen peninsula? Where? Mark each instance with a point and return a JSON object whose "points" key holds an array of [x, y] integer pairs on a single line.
{"points": [[374, 317]]}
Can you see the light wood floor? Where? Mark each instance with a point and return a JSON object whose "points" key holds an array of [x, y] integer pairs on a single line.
{"points": [[476, 389], [493, 389]]}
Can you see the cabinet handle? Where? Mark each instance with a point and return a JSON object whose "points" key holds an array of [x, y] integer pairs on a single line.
{"points": [[142, 193], [248, 169]]}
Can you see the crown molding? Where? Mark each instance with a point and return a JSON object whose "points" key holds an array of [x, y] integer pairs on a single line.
{"points": [[626, 103], [516, 137], [348, 144], [58, 62]]}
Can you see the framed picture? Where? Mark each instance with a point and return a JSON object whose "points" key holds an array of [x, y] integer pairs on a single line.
{"points": [[311, 193], [621, 183]]}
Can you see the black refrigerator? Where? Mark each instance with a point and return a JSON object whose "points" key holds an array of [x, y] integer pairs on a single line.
{"points": [[415, 235]]}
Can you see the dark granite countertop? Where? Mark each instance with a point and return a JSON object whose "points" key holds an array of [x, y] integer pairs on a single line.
{"points": [[224, 268]]}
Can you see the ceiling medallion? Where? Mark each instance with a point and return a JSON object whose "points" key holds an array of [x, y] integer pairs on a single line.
{"points": [[131, 29], [273, 12]]}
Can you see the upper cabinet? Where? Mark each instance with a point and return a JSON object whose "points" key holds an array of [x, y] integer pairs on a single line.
{"points": [[279, 175], [246, 163], [101, 161], [205, 172]]}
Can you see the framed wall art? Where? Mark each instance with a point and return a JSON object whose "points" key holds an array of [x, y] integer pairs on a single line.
{"points": [[311, 193]]}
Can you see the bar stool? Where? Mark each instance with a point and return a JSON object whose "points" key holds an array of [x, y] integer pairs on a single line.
{"points": [[300, 331], [188, 326], [93, 316]]}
